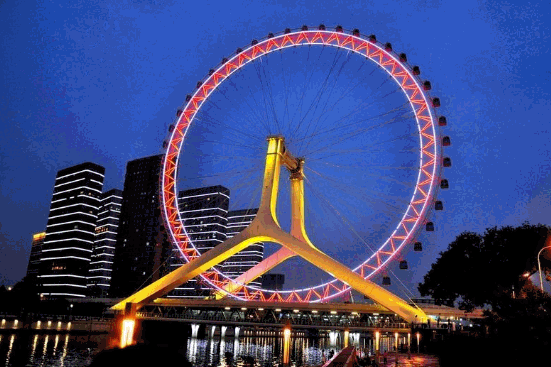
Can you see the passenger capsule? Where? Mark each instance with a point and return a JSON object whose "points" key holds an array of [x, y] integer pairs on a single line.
{"points": [[199, 84], [415, 70], [403, 265], [321, 27], [254, 42], [188, 98], [372, 38], [438, 205], [304, 28], [239, 50], [418, 246], [287, 30], [339, 28], [179, 113], [211, 71], [446, 141], [270, 35], [171, 128], [386, 280], [427, 85], [436, 102], [442, 121], [388, 46], [165, 144], [430, 227], [403, 57], [447, 162], [356, 32], [444, 184]]}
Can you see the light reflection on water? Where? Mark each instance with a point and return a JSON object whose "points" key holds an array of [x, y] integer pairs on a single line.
{"points": [[265, 351], [60, 350], [66, 350]]}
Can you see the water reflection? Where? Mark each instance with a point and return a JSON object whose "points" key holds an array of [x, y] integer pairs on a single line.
{"points": [[39, 350], [66, 350]]}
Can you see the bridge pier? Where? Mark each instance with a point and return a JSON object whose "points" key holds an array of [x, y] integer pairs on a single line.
{"points": [[128, 325], [287, 344], [346, 336], [212, 331], [194, 330]]}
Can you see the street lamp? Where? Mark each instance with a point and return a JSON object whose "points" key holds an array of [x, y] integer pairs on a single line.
{"points": [[539, 266]]}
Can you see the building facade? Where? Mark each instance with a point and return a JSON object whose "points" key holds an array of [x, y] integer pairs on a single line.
{"points": [[103, 251], [204, 213], [36, 252], [208, 223], [141, 249], [70, 233], [239, 263]]}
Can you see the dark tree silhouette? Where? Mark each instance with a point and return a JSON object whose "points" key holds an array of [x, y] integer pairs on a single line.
{"points": [[489, 269]]}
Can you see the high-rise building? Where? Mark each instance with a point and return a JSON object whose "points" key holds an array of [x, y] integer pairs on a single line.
{"points": [[70, 232], [245, 259], [204, 213], [208, 223], [36, 252], [142, 249], [103, 251]]}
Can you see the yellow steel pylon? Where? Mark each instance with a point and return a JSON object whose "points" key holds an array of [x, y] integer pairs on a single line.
{"points": [[265, 228]]}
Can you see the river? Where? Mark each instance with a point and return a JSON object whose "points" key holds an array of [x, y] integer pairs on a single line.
{"points": [[65, 349]]}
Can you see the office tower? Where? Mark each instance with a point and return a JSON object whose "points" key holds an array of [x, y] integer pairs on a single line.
{"points": [[70, 232], [103, 251], [245, 259], [36, 253], [142, 249], [204, 213]]}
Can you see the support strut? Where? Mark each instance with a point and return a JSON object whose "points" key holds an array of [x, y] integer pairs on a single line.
{"points": [[265, 228]]}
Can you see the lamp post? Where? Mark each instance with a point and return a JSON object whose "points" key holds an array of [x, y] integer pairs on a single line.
{"points": [[539, 266]]}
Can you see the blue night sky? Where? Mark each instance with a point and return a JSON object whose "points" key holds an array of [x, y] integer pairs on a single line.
{"points": [[101, 81]]}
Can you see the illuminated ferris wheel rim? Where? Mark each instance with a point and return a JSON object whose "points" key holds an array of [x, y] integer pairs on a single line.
{"points": [[430, 153]]}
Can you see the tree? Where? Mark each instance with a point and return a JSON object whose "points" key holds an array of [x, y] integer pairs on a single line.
{"points": [[490, 269]]}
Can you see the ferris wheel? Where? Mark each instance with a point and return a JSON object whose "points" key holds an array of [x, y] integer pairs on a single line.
{"points": [[331, 128]]}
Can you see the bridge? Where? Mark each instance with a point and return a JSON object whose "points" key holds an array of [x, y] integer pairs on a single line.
{"points": [[390, 314], [328, 316]]}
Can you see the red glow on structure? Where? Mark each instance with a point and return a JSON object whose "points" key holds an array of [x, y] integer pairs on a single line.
{"points": [[425, 187]]}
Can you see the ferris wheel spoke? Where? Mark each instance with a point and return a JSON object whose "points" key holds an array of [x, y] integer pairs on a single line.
{"points": [[319, 93], [217, 123], [338, 126], [317, 99], [229, 117], [255, 112], [402, 137], [359, 107], [304, 90], [286, 94], [271, 94], [337, 214], [343, 138], [352, 190], [265, 103]]}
